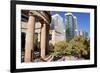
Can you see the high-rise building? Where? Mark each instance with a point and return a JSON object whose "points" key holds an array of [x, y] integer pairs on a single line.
{"points": [[71, 26], [57, 28], [84, 34], [75, 27]]}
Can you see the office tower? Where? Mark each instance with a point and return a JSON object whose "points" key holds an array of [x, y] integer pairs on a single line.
{"points": [[75, 27], [57, 27], [71, 26], [84, 34]]}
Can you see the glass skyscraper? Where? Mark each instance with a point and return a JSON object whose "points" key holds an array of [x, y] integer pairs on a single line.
{"points": [[75, 26], [71, 26]]}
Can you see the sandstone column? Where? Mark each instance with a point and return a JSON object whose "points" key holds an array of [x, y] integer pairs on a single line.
{"points": [[43, 41], [29, 38]]}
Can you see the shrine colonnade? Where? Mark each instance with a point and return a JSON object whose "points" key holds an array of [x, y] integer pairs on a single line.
{"points": [[44, 18]]}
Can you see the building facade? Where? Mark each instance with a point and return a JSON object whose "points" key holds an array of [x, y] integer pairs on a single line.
{"points": [[71, 26], [57, 28], [84, 34], [75, 26]]}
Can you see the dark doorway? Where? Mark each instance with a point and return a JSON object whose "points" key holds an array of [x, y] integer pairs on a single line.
{"points": [[23, 35]]}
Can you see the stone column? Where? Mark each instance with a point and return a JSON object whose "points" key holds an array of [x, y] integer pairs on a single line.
{"points": [[29, 38], [43, 41]]}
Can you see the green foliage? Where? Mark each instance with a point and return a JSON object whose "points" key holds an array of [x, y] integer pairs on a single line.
{"points": [[78, 47], [51, 48], [60, 48]]}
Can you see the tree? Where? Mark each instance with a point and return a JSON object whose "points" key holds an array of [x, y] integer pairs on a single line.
{"points": [[60, 48], [79, 47], [51, 48]]}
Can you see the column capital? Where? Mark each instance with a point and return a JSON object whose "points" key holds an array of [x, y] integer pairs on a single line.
{"points": [[31, 14], [43, 23]]}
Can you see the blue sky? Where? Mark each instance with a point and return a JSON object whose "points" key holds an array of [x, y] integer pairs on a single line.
{"points": [[83, 20]]}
